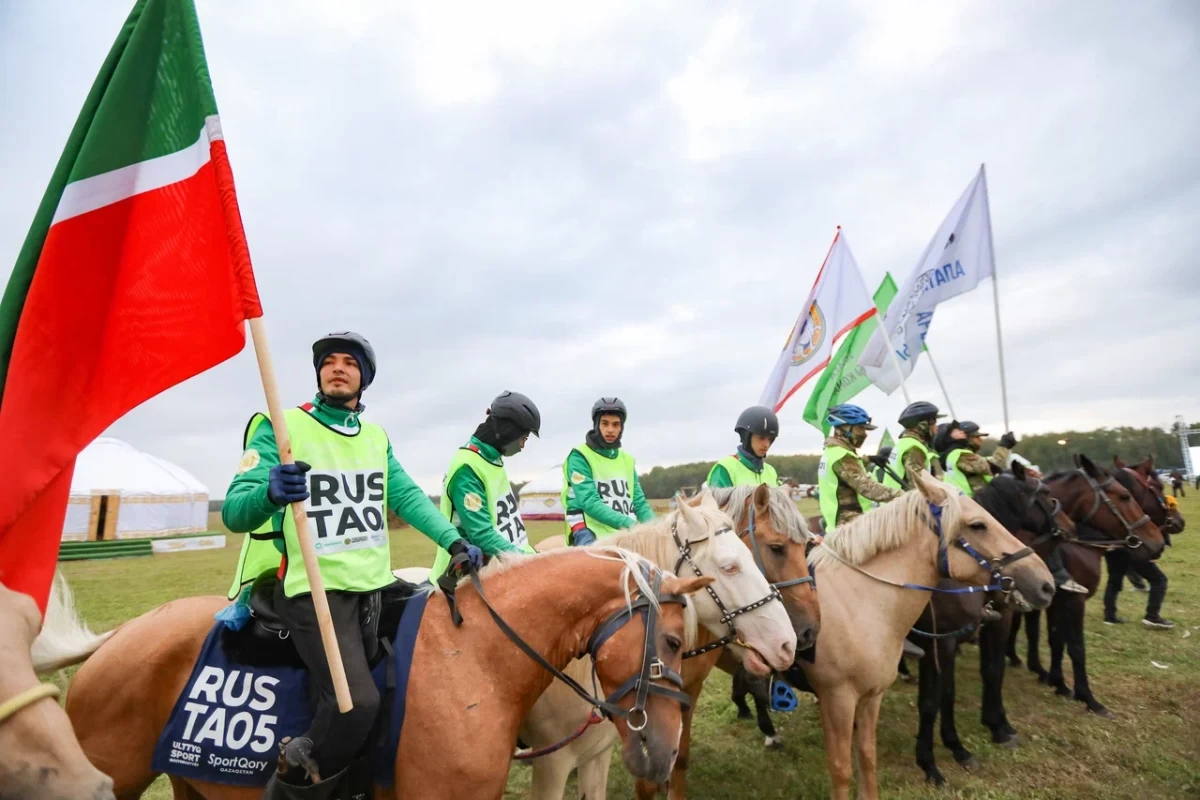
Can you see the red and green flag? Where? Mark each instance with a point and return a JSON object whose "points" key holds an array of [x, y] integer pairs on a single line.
{"points": [[844, 378], [134, 276]]}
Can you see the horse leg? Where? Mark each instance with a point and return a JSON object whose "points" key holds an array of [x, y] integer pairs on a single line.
{"points": [[866, 716], [991, 671], [1011, 645], [1033, 632], [837, 710], [593, 777], [739, 691], [1056, 632], [928, 697], [949, 655], [550, 773], [1073, 630]]}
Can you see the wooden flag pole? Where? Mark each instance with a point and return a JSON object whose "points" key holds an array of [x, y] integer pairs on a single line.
{"points": [[333, 654]]}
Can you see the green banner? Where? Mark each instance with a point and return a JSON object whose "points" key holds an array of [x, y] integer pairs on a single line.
{"points": [[843, 378], [886, 441]]}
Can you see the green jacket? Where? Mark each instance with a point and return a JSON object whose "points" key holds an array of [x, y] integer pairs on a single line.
{"points": [[246, 506], [589, 499], [477, 525]]}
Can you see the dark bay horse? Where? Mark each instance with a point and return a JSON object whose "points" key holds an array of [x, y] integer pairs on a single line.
{"points": [[1106, 517]]}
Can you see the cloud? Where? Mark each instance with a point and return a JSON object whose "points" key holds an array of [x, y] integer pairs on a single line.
{"points": [[634, 199]]}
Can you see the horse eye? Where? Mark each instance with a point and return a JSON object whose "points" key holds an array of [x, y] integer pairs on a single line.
{"points": [[979, 526], [778, 549], [730, 569], [674, 643], [1126, 497]]}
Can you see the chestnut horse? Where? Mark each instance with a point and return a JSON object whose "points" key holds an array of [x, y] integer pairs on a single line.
{"points": [[39, 754], [469, 686], [874, 575], [1106, 517], [779, 540]]}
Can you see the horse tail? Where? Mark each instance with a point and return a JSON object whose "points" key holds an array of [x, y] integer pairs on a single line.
{"points": [[65, 639]]}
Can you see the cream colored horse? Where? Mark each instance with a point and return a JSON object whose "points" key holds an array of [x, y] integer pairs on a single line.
{"points": [[866, 611], [717, 551]]}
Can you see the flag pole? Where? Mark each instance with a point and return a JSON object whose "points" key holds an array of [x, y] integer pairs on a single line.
{"points": [[995, 299], [887, 340], [333, 655], [937, 374]]}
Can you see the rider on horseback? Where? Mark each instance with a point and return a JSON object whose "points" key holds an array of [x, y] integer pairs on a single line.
{"points": [[846, 487], [476, 493], [601, 494], [348, 467], [912, 452], [759, 427]]}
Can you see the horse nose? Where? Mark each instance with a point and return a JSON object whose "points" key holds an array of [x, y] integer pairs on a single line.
{"points": [[104, 790], [806, 639], [1047, 590], [787, 652]]}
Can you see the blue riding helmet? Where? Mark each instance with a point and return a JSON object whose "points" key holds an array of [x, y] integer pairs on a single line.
{"points": [[849, 414]]}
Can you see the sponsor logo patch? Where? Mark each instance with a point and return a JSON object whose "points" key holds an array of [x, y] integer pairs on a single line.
{"points": [[249, 461]]}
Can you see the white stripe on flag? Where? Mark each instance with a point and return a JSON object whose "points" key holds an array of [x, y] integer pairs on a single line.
{"points": [[107, 188]]}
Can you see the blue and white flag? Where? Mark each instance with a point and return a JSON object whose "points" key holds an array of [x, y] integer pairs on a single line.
{"points": [[956, 259]]}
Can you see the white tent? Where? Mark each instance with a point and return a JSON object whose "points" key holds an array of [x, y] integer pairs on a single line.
{"points": [[541, 498], [119, 492]]}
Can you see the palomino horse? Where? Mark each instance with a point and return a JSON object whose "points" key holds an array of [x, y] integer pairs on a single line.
{"points": [[1106, 517], [874, 575], [739, 601], [39, 754], [469, 686]]}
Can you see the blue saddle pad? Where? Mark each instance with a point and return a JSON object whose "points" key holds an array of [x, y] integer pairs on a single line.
{"points": [[227, 724]]}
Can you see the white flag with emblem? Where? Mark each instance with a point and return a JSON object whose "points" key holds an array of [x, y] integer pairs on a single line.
{"points": [[838, 303], [956, 259]]}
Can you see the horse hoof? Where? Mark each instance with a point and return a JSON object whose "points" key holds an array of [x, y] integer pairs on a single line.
{"points": [[773, 742], [744, 713], [935, 778], [1013, 661], [1102, 712], [1012, 742], [970, 764], [1062, 691]]}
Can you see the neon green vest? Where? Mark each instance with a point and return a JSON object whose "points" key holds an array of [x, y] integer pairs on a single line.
{"points": [[258, 555], [827, 484], [896, 461], [741, 475], [956, 478], [500, 500], [614, 479]]}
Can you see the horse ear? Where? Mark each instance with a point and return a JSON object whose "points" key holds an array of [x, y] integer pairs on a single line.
{"points": [[686, 512], [707, 500], [1018, 470], [1087, 466], [688, 585], [1118, 463], [930, 488], [1075, 458], [762, 497], [695, 500]]}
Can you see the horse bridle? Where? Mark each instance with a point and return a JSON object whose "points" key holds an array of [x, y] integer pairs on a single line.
{"points": [[1000, 583], [23, 700], [642, 685], [1169, 525], [727, 616], [1131, 540], [1051, 513]]}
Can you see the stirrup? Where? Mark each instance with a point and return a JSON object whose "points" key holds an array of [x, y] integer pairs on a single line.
{"points": [[1069, 585], [279, 789], [783, 698], [912, 651]]}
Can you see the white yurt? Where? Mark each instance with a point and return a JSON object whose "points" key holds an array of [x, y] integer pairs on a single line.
{"points": [[119, 492], [541, 498]]}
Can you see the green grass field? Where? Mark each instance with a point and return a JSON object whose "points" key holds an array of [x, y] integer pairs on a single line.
{"points": [[1151, 751]]}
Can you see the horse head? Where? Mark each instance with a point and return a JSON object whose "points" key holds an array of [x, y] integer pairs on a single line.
{"points": [[1104, 511]]}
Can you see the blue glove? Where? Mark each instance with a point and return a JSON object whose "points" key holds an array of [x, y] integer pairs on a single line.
{"points": [[782, 696], [474, 554], [582, 537], [287, 483]]}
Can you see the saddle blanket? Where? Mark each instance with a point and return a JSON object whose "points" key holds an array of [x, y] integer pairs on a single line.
{"points": [[226, 726]]}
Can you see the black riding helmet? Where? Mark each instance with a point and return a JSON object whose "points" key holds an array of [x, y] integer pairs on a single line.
{"points": [[919, 411], [517, 409], [757, 420], [971, 429], [608, 405]]}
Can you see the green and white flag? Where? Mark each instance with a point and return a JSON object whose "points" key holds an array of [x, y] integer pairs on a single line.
{"points": [[844, 378], [887, 440]]}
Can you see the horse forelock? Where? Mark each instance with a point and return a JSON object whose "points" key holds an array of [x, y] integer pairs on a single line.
{"points": [[886, 528], [784, 514], [1003, 498]]}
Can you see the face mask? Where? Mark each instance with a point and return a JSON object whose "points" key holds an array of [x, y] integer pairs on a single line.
{"points": [[511, 449], [858, 435]]}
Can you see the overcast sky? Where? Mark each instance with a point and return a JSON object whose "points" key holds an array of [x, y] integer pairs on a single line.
{"points": [[571, 200]]}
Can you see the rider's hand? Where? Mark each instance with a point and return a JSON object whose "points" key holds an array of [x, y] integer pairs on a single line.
{"points": [[287, 483], [474, 554], [1008, 440], [877, 460], [583, 537]]}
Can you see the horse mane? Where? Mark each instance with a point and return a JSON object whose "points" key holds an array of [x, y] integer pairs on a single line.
{"points": [[65, 638], [1003, 498], [886, 528], [784, 513]]}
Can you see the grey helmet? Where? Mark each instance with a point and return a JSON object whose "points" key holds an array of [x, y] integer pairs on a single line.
{"points": [[918, 412], [517, 409], [608, 405], [760, 420], [354, 344]]}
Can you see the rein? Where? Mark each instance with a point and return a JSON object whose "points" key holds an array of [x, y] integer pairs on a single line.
{"points": [[727, 616], [642, 684], [23, 700]]}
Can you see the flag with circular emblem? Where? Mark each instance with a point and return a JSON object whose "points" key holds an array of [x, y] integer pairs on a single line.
{"points": [[134, 276]]}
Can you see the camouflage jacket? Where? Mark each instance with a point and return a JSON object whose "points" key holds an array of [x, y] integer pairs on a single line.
{"points": [[976, 468], [854, 479], [914, 459]]}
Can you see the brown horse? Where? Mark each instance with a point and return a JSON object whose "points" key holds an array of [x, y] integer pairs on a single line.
{"points": [[1107, 518], [39, 754], [469, 686]]}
